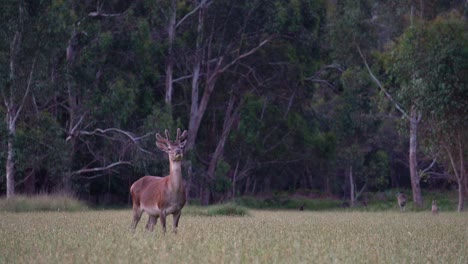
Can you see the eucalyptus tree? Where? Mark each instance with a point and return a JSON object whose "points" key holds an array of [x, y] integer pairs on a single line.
{"points": [[372, 31], [430, 63], [225, 49], [267, 136], [30, 34]]}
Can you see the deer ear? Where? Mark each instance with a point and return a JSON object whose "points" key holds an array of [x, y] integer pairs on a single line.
{"points": [[161, 146], [158, 137]]}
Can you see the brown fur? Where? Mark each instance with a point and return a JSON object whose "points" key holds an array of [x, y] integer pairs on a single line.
{"points": [[401, 198], [435, 208], [160, 196]]}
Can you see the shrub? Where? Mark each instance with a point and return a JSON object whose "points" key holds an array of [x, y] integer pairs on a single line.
{"points": [[227, 209]]}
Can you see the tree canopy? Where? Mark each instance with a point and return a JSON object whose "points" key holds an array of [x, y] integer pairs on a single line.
{"points": [[277, 96]]}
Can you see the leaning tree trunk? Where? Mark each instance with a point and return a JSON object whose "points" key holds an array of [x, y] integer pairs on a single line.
{"points": [[413, 163]]}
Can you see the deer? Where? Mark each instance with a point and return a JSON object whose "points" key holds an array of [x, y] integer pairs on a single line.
{"points": [[161, 196], [435, 208], [401, 198]]}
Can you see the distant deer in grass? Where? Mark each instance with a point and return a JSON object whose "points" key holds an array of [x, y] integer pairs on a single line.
{"points": [[161, 196], [435, 208], [401, 198]]}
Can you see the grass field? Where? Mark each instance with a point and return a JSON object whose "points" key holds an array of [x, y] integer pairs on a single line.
{"points": [[261, 237]]}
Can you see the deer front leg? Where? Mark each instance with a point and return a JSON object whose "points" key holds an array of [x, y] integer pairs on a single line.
{"points": [[176, 221], [152, 220], [163, 220]]}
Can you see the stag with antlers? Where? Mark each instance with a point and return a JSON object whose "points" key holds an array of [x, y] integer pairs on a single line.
{"points": [[161, 196]]}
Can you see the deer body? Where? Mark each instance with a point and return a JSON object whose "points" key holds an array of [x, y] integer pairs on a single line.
{"points": [[401, 198], [435, 208], [161, 196]]}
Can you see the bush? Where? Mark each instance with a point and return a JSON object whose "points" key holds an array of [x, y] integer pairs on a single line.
{"points": [[285, 202], [228, 209], [57, 202]]}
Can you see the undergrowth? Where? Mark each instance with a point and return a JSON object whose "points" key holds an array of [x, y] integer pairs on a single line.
{"points": [[228, 209], [57, 202]]}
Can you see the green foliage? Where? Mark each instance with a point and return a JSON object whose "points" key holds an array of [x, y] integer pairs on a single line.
{"points": [[227, 210], [62, 203], [429, 62], [222, 183], [378, 170], [41, 145], [278, 202], [349, 29], [294, 130], [325, 145]]}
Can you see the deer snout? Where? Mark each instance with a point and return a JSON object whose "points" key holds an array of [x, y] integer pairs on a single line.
{"points": [[178, 155]]}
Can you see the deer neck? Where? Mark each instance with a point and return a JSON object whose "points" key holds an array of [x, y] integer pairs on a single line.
{"points": [[175, 174]]}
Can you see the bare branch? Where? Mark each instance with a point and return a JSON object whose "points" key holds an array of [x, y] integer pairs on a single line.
{"points": [[182, 78], [327, 83], [319, 72], [99, 132], [203, 2], [72, 131], [246, 54], [101, 168], [360, 192], [28, 88], [98, 14], [388, 95], [429, 167]]}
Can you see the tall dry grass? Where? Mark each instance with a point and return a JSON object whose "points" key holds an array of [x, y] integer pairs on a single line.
{"points": [[262, 237]]}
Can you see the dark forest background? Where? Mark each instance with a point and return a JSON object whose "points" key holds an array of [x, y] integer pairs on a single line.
{"points": [[328, 97]]}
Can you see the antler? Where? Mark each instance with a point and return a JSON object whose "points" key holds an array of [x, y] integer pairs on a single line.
{"points": [[160, 139], [167, 140], [180, 137]]}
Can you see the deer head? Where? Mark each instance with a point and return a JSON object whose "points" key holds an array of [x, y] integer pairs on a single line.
{"points": [[175, 149]]}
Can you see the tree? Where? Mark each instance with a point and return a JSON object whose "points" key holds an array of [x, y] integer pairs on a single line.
{"points": [[29, 30], [354, 33], [430, 63]]}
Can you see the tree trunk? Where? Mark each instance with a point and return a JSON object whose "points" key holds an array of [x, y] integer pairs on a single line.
{"points": [[461, 196], [170, 56], [12, 110], [206, 194], [194, 107], [230, 116], [459, 172], [234, 180], [10, 162], [461, 176], [351, 186], [413, 163]]}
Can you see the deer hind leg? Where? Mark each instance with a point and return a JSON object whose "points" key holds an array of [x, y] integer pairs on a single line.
{"points": [[152, 220], [137, 212], [176, 221]]}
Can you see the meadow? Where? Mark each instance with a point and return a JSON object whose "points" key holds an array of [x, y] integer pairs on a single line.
{"points": [[103, 236]]}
